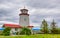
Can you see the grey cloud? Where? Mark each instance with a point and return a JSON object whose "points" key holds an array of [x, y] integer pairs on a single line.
{"points": [[11, 13], [44, 3], [37, 18], [8, 15]]}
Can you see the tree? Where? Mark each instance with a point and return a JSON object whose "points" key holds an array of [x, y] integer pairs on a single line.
{"points": [[6, 31], [25, 31], [58, 30], [53, 26], [44, 26]]}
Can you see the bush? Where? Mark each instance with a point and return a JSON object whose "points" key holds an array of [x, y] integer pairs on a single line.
{"points": [[55, 31], [25, 31], [6, 31]]}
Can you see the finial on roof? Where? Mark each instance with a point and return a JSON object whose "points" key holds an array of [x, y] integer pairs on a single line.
{"points": [[24, 7]]}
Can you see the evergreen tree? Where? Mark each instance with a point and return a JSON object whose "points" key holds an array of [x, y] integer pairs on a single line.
{"points": [[53, 27], [44, 26]]}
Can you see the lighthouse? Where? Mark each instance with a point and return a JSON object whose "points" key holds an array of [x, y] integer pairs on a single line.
{"points": [[24, 17]]}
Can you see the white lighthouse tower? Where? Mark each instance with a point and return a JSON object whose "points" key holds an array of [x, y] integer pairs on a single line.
{"points": [[24, 18]]}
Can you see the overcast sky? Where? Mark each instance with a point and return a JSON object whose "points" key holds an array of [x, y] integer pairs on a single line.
{"points": [[38, 10]]}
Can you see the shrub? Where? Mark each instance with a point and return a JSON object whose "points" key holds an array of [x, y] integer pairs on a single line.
{"points": [[6, 31], [25, 31]]}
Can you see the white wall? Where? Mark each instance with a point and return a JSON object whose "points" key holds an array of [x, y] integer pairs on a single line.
{"points": [[24, 20]]}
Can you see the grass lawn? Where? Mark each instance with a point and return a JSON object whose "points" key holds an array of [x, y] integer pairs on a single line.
{"points": [[34, 36]]}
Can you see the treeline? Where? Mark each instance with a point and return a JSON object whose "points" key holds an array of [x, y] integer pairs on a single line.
{"points": [[26, 31], [53, 29]]}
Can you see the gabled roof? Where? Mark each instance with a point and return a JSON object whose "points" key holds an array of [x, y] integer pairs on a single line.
{"points": [[12, 25]]}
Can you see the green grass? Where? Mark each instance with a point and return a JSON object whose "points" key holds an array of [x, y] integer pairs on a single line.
{"points": [[34, 36]]}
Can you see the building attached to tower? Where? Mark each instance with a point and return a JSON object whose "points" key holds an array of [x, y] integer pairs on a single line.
{"points": [[23, 22]]}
